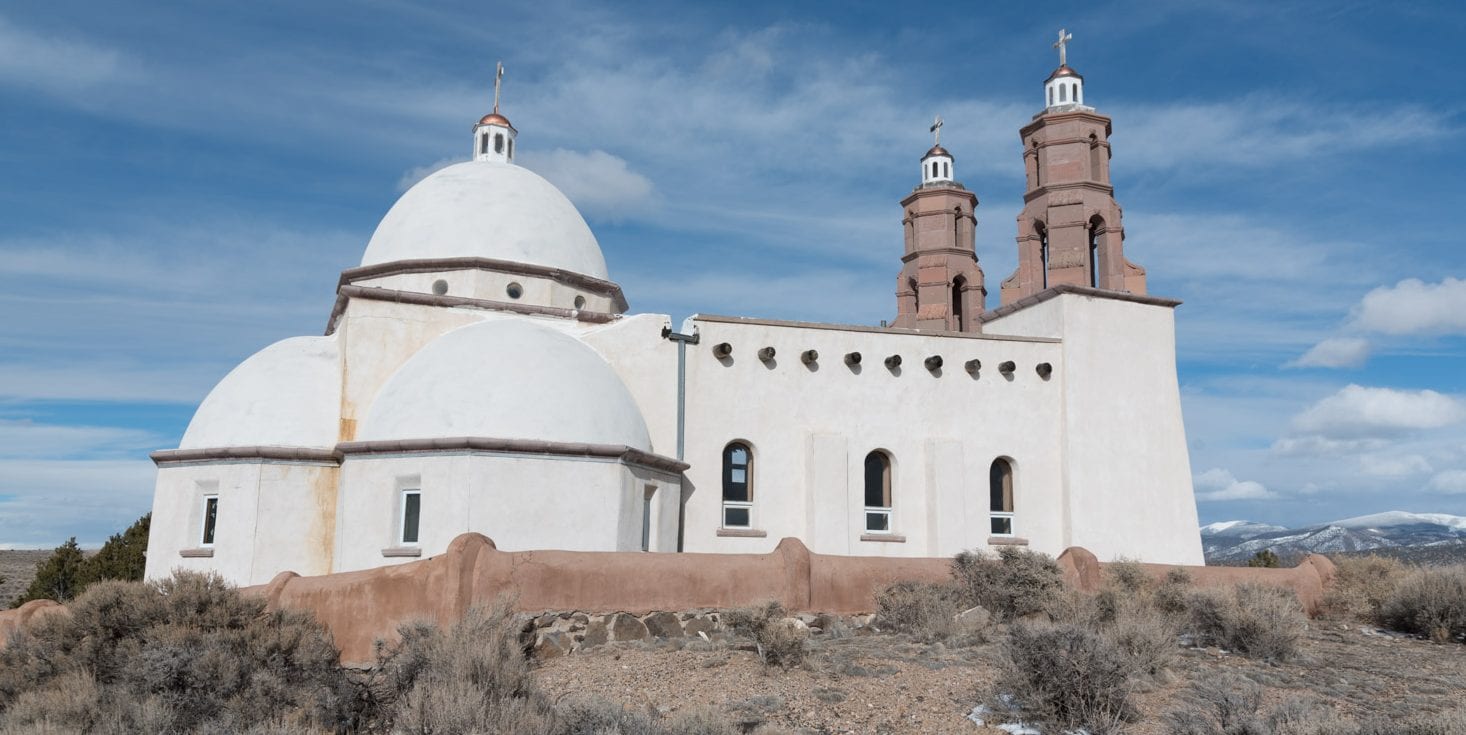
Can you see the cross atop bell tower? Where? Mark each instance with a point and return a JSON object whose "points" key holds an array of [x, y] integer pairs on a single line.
{"points": [[940, 286], [493, 136], [1069, 231]]}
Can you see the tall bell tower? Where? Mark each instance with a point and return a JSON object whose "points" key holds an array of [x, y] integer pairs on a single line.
{"points": [[941, 285], [1070, 231]]}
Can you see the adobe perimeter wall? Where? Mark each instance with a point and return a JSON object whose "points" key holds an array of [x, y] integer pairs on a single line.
{"points": [[363, 607]]}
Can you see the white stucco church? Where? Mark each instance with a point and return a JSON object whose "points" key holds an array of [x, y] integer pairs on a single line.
{"points": [[480, 372]]}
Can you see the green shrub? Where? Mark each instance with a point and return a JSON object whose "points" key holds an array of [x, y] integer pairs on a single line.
{"points": [[1255, 620], [1429, 602], [1265, 558], [1067, 676], [67, 572], [58, 576], [1017, 583]]}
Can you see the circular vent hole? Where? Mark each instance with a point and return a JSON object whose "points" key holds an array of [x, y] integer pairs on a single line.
{"points": [[440, 287], [514, 290], [580, 302]]}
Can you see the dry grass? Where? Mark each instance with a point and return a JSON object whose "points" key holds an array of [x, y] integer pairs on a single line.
{"points": [[929, 613], [1232, 705], [780, 638]]}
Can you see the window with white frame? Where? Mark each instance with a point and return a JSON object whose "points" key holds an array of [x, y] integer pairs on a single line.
{"points": [[1000, 501], [737, 486], [411, 514], [210, 518], [877, 492]]}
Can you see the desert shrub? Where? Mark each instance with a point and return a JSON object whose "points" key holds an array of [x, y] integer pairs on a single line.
{"points": [[184, 654], [1170, 595], [1067, 676], [1429, 601], [1018, 582], [1128, 576], [1232, 705], [1146, 635], [1256, 620], [929, 613], [1360, 586], [1266, 559], [780, 639], [472, 677], [58, 576]]}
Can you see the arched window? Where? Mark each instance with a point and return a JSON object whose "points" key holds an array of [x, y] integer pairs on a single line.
{"points": [[511, 149], [1043, 251], [1051, 96], [737, 485], [483, 144], [1095, 225], [957, 311], [1063, 93], [498, 142], [877, 492], [947, 170], [1074, 94], [915, 295], [1000, 502]]}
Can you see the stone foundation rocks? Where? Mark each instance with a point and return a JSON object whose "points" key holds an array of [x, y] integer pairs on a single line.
{"points": [[553, 634]]}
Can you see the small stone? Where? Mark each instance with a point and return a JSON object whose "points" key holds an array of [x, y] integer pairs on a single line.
{"points": [[627, 628], [552, 645], [581, 618], [663, 625], [546, 620], [700, 626]]}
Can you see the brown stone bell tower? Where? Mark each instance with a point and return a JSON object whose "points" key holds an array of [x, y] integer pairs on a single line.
{"points": [[1070, 229], [941, 285]]}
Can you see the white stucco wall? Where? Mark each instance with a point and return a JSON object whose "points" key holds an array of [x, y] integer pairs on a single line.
{"points": [[811, 429], [1127, 468], [272, 517], [522, 502], [647, 363]]}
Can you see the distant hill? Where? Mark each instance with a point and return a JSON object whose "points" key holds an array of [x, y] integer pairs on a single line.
{"points": [[1423, 537]]}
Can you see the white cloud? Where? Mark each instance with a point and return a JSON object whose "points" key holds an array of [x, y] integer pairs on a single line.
{"points": [[1358, 411], [28, 439], [1390, 465], [418, 173], [1449, 482], [602, 186], [1414, 307], [53, 64], [43, 502], [1218, 484], [1335, 352], [1318, 446]]}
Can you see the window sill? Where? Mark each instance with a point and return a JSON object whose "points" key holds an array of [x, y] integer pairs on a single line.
{"points": [[742, 533], [889, 538], [402, 551], [201, 553], [1007, 541]]}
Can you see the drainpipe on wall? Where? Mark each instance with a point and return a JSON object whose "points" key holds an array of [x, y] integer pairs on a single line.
{"points": [[682, 340]]}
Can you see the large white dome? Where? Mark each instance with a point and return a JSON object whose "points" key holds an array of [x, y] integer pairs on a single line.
{"points": [[485, 209], [507, 379], [286, 395]]}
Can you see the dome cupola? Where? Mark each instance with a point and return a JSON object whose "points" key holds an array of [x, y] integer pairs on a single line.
{"points": [[936, 165], [493, 136], [1065, 86]]}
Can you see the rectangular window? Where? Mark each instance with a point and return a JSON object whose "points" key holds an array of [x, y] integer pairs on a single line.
{"points": [[878, 520], [646, 517], [411, 513], [1002, 524], [736, 515], [211, 517]]}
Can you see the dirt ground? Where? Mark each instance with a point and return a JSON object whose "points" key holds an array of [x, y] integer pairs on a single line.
{"points": [[17, 568], [889, 684]]}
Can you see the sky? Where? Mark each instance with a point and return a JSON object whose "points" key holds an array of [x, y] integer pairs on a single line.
{"points": [[184, 182]]}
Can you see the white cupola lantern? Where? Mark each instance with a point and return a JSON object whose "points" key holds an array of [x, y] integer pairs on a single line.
{"points": [[493, 136], [936, 165], [1064, 87]]}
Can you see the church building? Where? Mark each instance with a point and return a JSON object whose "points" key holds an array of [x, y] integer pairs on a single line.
{"points": [[480, 372]]}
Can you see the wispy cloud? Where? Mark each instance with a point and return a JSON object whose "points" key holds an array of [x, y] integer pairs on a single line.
{"points": [[1359, 411], [1216, 485], [59, 65], [1334, 352]]}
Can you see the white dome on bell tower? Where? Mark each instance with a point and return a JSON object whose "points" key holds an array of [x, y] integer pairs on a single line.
{"points": [[936, 165], [1065, 87]]}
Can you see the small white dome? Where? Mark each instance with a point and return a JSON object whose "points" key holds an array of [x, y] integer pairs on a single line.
{"points": [[286, 395], [507, 379], [485, 209]]}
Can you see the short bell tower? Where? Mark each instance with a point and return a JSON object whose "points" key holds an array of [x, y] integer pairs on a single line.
{"points": [[1070, 230], [493, 136], [940, 286]]}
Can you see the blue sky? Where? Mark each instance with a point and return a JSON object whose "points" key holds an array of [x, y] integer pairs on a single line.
{"points": [[182, 187]]}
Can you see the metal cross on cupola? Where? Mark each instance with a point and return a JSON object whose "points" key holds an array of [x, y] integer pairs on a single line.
{"points": [[1064, 38], [493, 136], [937, 131]]}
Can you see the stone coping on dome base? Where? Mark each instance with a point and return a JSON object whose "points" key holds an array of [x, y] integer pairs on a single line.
{"points": [[628, 455], [374, 293], [1053, 292], [431, 265]]}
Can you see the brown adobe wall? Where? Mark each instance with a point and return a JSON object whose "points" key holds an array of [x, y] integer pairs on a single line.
{"points": [[364, 606]]}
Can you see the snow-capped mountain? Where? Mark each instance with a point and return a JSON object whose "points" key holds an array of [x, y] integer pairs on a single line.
{"points": [[1233, 541]]}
